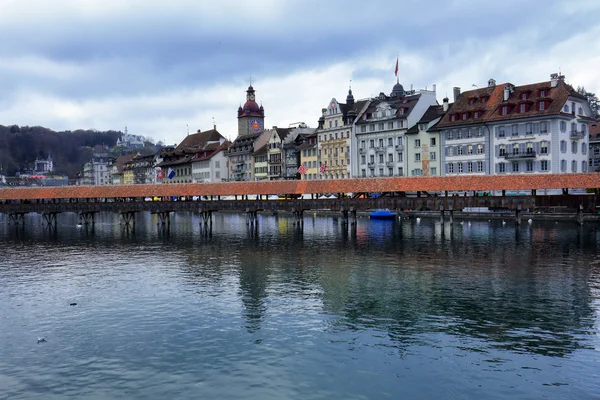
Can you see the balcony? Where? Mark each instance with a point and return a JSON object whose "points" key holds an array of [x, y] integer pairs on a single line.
{"points": [[520, 155], [390, 163], [371, 164], [379, 149], [576, 135], [399, 147], [362, 150]]}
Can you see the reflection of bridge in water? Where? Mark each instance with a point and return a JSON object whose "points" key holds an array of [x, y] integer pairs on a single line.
{"points": [[346, 196]]}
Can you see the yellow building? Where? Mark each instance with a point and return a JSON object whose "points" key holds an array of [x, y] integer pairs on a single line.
{"points": [[334, 137]]}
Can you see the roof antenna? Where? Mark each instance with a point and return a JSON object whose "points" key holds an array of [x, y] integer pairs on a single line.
{"points": [[214, 124], [350, 84], [188, 129]]}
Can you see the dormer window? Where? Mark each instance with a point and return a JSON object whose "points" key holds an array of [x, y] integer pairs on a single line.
{"points": [[471, 101], [504, 110], [542, 105], [484, 99], [465, 116], [523, 96], [453, 117], [476, 115], [542, 93], [401, 111], [522, 108]]}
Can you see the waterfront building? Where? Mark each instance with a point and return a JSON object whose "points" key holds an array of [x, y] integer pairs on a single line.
{"points": [[142, 168], [116, 168], [261, 167], [508, 129], [275, 153], [291, 150], [95, 171], [423, 144], [308, 157], [178, 164], [379, 133], [251, 119], [594, 153], [334, 137]]}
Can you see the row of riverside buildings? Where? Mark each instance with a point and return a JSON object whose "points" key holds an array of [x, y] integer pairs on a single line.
{"points": [[545, 127]]}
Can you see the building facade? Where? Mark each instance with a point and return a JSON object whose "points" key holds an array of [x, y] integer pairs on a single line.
{"points": [[96, 171], [594, 152], [380, 130], [423, 144]]}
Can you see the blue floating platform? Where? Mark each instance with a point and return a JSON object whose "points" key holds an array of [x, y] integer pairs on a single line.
{"points": [[382, 214]]}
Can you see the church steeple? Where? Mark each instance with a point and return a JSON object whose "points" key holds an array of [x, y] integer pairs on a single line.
{"points": [[350, 97]]}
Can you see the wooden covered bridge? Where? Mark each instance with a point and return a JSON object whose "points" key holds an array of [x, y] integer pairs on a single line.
{"points": [[444, 194]]}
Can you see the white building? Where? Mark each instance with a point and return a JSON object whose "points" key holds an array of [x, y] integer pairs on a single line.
{"points": [[379, 131], [97, 171], [423, 144]]}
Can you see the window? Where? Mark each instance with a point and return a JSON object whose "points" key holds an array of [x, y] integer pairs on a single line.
{"points": [[563, 146], [528, 129], [580, 111], [573, 166], [515, 167], [523, 96], [432, 141], [469, 167], [476, 114], [502, 150], [450, 168], [479, 166], [583, 166], [371, 127], [544, 147], [329, 124], [417, 156], [502, 168], [566, 108], [542, 93], [433, 171], [401, 123], [432, 155], [390, 158], [380, 126], [380, 171], [390, 125], [390, 171], [529, 166], [459, 134], [336, 134], [464, 116], [450, 135], [380, 143], [400, 171], [417, 142], [478, 132], [501, 132], [469, 133], [469, 149], [574, 147], [583, 148], [363, 159], [372, 159], [544, 127], [381, 159], [363, 128], [362, 144], [390, 142], [504, 110], [460, 168], [479, 149], [515, 149], [399, 140], [363, 173], [336, 123], [459, 150], [544, 165], [542, 105], [522, 108], [371, 143], [453, 117], [563, 126], [563, 165], [399, 157]]}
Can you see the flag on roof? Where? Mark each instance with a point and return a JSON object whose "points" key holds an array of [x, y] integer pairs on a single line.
{"points": [[160, 174], [170, 173], [396, 70], [322, 168], [302, 169]]}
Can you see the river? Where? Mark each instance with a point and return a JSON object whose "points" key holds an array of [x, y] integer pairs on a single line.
{"points": [[390, 309]]}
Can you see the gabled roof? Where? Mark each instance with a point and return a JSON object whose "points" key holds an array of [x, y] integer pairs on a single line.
{"points": [[484, 99], [200, 139], [282, 132], [262, 139], [120, 161], [406, 102]]}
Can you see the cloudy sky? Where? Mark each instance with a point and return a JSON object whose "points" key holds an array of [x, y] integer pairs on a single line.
{"points": [[160, 66]]}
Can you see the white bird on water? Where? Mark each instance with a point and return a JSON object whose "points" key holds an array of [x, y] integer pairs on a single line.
{"points": [[418, 219], [78, 225], [503, 222], [41, 339], [529, 220]]}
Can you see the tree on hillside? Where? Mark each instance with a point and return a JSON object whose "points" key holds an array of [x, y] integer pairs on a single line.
{"points": [[592, 99]]}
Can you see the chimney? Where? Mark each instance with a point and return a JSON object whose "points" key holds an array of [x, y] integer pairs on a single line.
{"points": [[445, 104], [554, 80], [491, 83], [434, 88], [456, 92], [506, 93]]}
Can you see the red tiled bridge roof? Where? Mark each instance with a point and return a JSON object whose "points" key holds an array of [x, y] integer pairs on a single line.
{"points": [[429, 184]]}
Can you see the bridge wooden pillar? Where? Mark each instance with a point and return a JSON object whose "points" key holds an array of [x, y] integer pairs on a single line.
{"points": [[518, 215], [164, 218], [298, 217], [580, 214], [49, 218], [353, 216], [442, 215], [87, 218], [128, 218], [16, 218], [451, 211]]}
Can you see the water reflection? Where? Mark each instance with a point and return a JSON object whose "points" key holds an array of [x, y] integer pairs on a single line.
{"points": [[327, 292]]}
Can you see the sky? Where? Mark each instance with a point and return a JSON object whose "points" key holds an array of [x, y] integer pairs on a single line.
{"points": [[163, 68]]}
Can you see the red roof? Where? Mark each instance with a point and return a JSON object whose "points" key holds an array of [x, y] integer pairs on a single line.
{"points": [[430, 184]]}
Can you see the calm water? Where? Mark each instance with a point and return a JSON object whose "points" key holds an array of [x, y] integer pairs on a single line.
{"points": [[391, 310]]}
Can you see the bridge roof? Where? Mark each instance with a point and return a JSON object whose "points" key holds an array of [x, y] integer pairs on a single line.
{"points": [[429, 184]]}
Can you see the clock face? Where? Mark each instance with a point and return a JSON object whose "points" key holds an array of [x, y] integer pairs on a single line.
{"points": [[333, 105], [255, 125], [251, 97]]}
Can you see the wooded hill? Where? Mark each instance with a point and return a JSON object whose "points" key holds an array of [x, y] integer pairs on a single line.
{"points": [[20, 146]]}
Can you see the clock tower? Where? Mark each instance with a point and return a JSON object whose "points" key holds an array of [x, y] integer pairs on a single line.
{"points": [[251, 117]]}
